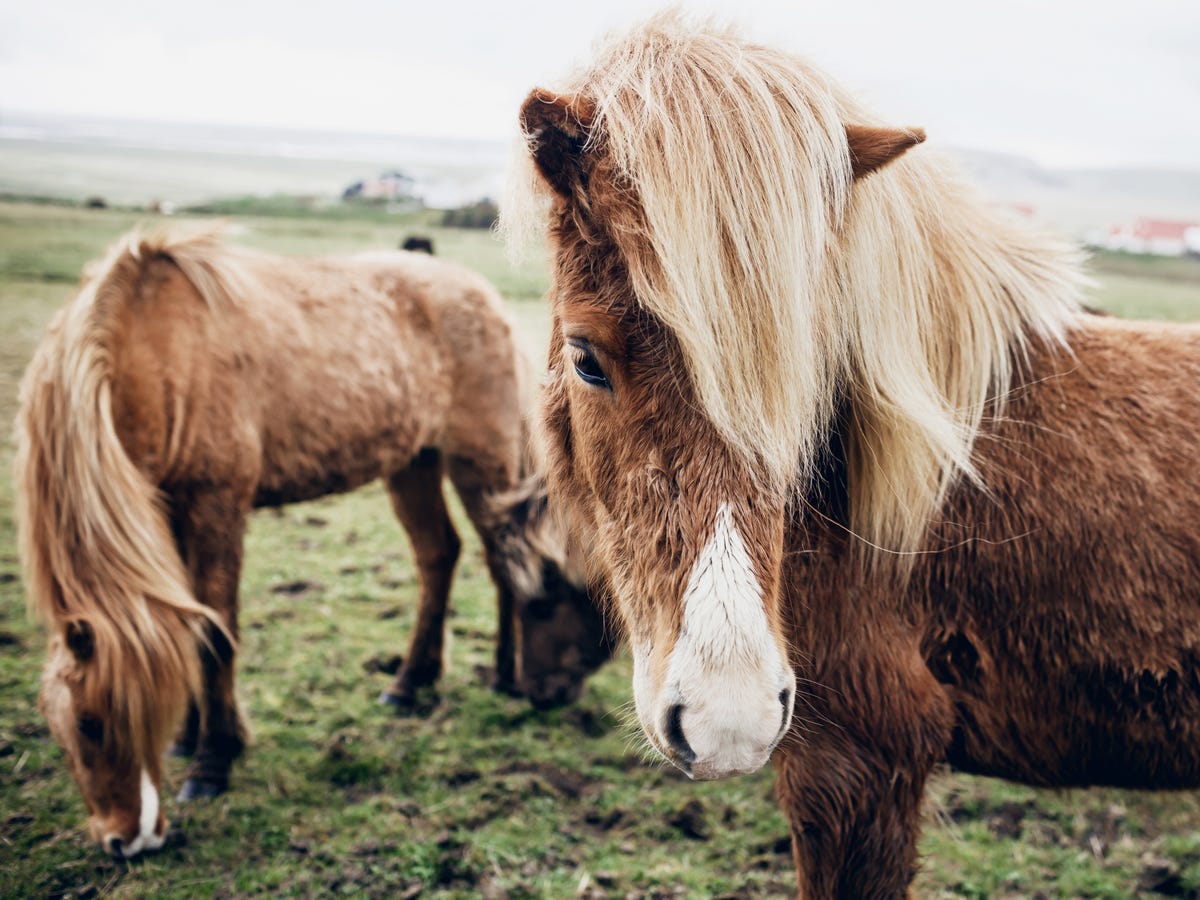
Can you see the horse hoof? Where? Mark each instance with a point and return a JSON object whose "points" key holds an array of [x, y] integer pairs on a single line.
{"points": [[396, 701], [201, 789], [507, 688], [181, 750]]}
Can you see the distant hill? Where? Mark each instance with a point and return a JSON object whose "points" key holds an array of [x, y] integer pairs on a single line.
{"points": [[137, 162], [1082, 201]]}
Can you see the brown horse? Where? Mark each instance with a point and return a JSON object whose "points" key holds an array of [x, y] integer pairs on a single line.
{"points": [[847, 447], [189, 382]]}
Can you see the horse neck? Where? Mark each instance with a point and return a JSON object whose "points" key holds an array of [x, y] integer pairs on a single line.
{"points": [[937, 297]]}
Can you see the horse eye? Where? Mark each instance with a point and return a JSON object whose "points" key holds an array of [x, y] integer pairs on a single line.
{"points": [[587, 368], [90, 727]]}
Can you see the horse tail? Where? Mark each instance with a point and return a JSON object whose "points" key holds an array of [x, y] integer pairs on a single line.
{"points": [[95, 539]]}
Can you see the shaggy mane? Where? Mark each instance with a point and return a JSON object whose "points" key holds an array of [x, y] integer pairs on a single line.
{"points": [[792, 287], [95, 542]]}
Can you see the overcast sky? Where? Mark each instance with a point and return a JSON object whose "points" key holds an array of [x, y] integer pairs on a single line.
{"points": [[1065, 82]]}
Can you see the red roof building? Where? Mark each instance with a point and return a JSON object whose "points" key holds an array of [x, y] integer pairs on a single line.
{"points": [[1160, 237]]}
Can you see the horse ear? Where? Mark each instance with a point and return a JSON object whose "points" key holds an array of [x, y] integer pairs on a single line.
{"points": [[872, 147], [557, 128], [80, 639]]}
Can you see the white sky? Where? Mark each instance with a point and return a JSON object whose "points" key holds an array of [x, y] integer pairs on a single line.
{"points": [[1066, 82]]}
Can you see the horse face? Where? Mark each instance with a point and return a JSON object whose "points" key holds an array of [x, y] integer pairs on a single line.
{"points": [[562, 639], [560, 633], [689, 545], [687, 539], [120, 790]]}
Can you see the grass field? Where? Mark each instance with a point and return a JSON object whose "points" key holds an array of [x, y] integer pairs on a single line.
{"points": [[483, 796]]}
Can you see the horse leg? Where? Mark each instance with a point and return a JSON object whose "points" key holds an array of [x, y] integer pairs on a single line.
{"points": [[211, 526], [474, 488], [416, 494], [852, 783], [854, 818]]}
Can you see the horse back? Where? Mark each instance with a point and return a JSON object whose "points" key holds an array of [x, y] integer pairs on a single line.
{"points": [[310, 377]]}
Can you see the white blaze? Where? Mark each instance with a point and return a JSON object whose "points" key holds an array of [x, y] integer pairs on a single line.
{"points": [[146, 839], [725, 670], [724, 621]]}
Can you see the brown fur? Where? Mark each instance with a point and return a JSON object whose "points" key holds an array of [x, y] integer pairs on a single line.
{"points": [[1046, 627], [1049, 635], [192, 381]]}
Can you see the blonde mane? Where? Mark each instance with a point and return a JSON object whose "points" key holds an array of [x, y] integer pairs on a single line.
{"points": [[95, 542], [790, 286]]}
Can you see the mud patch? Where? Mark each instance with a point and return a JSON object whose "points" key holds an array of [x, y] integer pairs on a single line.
{"points": [[691, 820], [297, 589], [568, 784], [388, 664]]}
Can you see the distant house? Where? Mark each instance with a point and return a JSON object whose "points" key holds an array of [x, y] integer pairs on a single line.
{"points": [[1160, 237], [392, 185], [1191, 240]]}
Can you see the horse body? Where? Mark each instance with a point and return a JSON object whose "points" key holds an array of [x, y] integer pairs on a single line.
{"points": [[395, 348], [1049, 633], [809, 396], [190, 382]]}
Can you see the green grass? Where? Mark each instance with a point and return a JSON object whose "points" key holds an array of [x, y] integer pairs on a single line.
{"points": [[483, 796]]}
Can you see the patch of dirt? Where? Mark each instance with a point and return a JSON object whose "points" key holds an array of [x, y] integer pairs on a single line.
{"points": [[7, 577], [1008, 819], [588, 721], [691, 820], [354, 570], [461, 777], [410, 809], [391, 612], [297, 589], [605, 821], [571, 785], [388, 664], [1163, 877], [620, 763], [778, 847], [8, 639], [343, 764], [315, 522], [1104, 828]]}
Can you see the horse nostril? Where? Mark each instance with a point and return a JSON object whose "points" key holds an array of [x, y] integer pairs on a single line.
{"points": [[675, 737], [115, 845], [785, 697]]}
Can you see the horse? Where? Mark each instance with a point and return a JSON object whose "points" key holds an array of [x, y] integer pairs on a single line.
{"points": [[191, 381], [872, 492], [418, 244]]}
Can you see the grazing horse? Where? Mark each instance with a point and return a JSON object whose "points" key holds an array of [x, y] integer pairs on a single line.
{"points": [[418, 244], [189, 382], [870, 488]]}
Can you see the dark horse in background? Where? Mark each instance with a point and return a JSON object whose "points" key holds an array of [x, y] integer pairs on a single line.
{"points": [[190, 382], [872, 491]]}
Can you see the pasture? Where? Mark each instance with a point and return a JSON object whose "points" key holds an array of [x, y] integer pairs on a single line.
{"points": [[480, 795]]}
